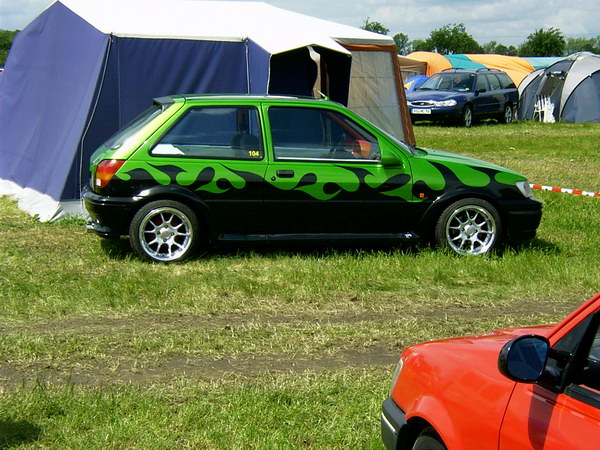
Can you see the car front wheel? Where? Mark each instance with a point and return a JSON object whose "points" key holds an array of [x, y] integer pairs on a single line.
{"points": [[428, 440], [467, 117], [164, 231], [470, 226]]}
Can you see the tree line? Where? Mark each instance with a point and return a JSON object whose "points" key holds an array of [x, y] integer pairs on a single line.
{"points": [[454, 38], [6, 38]]}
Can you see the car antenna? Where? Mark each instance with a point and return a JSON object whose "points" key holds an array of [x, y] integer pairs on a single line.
{"points": [[323, 96]]}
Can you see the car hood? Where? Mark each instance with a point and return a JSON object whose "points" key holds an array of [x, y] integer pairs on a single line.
{"points": [[459, 373], [433, 95], [500, 337], [488, 343], [444, 157]]}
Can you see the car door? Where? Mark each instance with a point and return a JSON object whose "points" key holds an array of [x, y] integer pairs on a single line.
{"points": [[326, 177], [482, 101], [541, 417], [496, 94], [510, 93], [216, 153]]}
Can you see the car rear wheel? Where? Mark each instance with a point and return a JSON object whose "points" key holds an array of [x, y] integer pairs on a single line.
{"points": [[164, 231], [467, 117], [428, 440], [509, 115], [470, 226]]}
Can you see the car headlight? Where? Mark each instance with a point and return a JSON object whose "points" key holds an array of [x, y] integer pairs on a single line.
{"points": [[396, 375], [446, 103], [525, 188]]}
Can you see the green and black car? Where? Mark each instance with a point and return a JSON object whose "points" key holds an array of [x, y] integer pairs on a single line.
{"points": [[196, 171]]}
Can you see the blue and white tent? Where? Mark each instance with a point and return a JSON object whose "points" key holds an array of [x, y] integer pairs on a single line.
{"points": [[569, 89], [84, 68]]}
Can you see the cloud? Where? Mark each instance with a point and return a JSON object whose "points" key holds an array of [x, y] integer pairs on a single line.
{"points": [[17, 14], [508, 22]]}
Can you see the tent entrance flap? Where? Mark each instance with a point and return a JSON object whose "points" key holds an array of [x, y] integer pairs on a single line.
{"points": [[301, 71], [376, 89]]}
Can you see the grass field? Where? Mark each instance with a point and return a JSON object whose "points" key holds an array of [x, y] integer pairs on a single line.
{"points": [[279, 348]]}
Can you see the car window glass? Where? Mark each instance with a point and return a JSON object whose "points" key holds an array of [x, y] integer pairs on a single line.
{"points": [[431, 83], [590, 375], [481, 85], [133, 127], [462, 82], [213, 132], [570, 341], [569, 344], [493, 80], [319, 134], [449, 82], [505, 81]]}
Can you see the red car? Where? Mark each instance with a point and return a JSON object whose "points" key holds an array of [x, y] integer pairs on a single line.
{"points": [[525, 388]]}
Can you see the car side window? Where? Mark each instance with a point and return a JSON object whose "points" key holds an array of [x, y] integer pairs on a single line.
{"points": [[226, 132], [493, 80], [319, 135], [590, 373], [505, 81], [481, 85], [581, 348]]}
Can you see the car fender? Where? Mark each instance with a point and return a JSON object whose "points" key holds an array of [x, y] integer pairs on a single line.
{"points": [[436, 207], [432, 411], [180, 194]]}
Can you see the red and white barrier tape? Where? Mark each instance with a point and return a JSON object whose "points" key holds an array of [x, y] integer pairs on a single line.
{"points": [[564, 190]]}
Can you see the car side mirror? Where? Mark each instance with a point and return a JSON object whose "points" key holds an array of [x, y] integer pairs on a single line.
{"points": [[481, 91], [524, 358], [389, 158]]}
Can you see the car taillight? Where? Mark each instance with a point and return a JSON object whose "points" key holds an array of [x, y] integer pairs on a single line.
{"points": [[106, 170]]}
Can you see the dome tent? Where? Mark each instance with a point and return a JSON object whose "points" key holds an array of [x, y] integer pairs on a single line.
{"points": [[84, 68], [572, 85]]}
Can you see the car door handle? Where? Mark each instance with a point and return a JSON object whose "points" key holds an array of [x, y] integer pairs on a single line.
{"points": [[285, 173]]}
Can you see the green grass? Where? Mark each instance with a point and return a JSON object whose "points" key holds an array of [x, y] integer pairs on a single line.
{"points": [[284, 411], [276, 348]]}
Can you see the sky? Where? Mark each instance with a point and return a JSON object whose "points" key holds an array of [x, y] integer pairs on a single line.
{"points": [[507, 22]]}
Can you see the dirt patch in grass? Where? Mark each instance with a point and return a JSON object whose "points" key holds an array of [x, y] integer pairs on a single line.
{"points": [[126, 367], [147, 369], [144, 372]]}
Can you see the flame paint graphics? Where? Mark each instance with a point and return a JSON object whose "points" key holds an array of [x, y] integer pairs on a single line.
{"points": [[321, 181], [326, 182], [220, 179]]}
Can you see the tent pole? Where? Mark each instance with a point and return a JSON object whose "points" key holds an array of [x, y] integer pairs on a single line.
{"points": [[249, 87], [91, 117]]}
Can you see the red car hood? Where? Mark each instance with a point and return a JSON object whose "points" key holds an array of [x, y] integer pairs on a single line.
{"points": [[500, 337]]}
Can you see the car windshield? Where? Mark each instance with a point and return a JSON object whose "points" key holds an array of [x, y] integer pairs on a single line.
{"points": [[462, 82]]}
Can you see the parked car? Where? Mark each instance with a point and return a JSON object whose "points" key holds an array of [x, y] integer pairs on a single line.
{"points": [[523, 388], [206, 170], [462, 96]]}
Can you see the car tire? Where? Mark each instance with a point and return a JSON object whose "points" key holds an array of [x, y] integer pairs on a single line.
{"points": [[428, 440], [164, 231], [466, 119], [470, 226], [509, 114]]}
